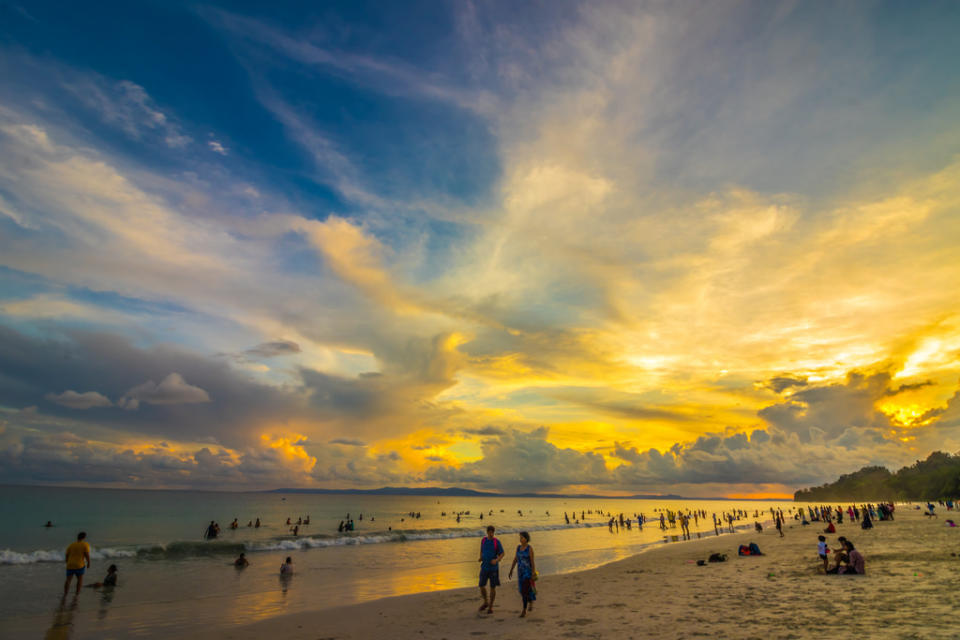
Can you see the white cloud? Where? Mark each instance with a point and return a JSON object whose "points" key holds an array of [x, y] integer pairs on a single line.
{"points": [[75, 400], [129, 107], [217, 147], [172, 390], [55, 306]]}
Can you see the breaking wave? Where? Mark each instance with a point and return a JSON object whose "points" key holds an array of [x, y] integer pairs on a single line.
{"points": [[187, 549]]}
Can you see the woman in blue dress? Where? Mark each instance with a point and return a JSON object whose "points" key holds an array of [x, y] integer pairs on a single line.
{"points": [[526, 572]]}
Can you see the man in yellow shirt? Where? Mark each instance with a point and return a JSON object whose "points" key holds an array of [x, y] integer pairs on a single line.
{"points": [[78, 560]]}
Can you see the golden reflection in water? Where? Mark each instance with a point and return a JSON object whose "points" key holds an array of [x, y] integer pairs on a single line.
{"points": [[250, 607], [419, 580]]}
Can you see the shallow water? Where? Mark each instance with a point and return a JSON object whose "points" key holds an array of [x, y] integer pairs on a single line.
{"points": [[171, 579]]}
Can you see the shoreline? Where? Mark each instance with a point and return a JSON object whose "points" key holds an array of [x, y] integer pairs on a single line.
{"points": [[778, 595]]}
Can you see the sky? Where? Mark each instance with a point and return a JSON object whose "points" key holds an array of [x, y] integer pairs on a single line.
{"points": [[700, 248]]}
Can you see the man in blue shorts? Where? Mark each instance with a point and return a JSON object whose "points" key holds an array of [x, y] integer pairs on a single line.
{"points": [[491, 553], [78, 560]]}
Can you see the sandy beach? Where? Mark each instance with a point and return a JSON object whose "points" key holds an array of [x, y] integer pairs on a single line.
{"points": [[910, 591]]}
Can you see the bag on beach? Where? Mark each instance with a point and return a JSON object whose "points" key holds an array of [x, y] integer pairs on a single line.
{"points": [[717, 557]]}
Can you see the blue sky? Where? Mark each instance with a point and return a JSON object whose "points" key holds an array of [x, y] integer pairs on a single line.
{"points": [[584, 233]]}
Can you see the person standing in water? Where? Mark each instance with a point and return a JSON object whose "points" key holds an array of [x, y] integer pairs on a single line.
{"points": [[491, 553], [526, 572], [78, 561]]}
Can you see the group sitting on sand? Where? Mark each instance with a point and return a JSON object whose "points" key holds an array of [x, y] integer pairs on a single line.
{"points": [[847, 560]]}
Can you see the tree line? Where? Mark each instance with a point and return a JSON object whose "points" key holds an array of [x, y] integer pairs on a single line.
{"points": [[937, 477]]}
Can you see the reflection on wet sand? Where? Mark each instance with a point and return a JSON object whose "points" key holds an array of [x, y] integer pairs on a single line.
{"points": [[106, 599], [62, 626], [285, 580]]}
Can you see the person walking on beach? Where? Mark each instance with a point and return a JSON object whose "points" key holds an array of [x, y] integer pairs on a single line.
{"points": [[491, 553], [78, 561], [526, 573]]}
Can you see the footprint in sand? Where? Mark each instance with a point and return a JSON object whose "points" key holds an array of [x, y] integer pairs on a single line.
{"points": [[579, 622]]}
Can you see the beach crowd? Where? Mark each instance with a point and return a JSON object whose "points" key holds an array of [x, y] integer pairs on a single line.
{"points": [[839, 558]]}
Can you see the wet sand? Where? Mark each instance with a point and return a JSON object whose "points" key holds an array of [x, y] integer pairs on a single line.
{"points": [[910, 591]]}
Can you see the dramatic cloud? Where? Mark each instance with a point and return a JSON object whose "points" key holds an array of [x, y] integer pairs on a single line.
{"points": [[525, 461], [778, 384], [171, 390], [74, 400], [827, 411], [489, 430], [610, 246], [273, 349], [348, 442]]}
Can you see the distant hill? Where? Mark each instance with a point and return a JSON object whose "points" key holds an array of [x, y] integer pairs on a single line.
{"points": [[470, 493], [936, 477], [396, 491]]}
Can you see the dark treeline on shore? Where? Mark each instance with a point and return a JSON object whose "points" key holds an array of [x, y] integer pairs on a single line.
{"points": [[935, 478]]}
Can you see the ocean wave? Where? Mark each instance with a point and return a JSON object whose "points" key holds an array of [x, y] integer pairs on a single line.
{"points": [[189, 549], [400, 535], [14, 557]]}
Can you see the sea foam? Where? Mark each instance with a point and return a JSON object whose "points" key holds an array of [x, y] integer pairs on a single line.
{"points": [[184, 549]]}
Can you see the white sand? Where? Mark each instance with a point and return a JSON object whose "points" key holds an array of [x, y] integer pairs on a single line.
{"points": [[911, 590]]}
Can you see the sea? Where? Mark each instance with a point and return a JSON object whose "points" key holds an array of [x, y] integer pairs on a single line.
{"points": [[171, 579]]}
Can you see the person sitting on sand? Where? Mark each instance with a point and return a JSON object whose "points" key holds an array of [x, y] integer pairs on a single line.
{"points": [[286, 569], [241, 562], [840, 557], [109, 580], [491, 553], [856, 564], [830, 528], [527, 569]]}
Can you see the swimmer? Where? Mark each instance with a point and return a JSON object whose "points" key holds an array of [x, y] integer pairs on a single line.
{"points": [[110, 580]]}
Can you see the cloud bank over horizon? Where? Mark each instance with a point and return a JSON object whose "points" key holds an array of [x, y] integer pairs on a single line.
{"points": [[608, 247]]}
